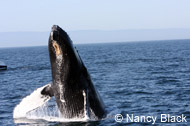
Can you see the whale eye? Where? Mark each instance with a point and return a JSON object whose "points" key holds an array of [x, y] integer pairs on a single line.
{"points": [[57, 48]]}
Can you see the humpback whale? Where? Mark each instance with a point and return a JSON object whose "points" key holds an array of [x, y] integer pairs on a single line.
{"points": [[72, 87]]}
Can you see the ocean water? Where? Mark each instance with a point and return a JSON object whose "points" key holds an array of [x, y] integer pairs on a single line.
{"points": [[140, 78]]}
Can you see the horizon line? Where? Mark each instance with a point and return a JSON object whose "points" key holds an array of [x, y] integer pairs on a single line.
{"points": [[141, 41], [104, 30]]}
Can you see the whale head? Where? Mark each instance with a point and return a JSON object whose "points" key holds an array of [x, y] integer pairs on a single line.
{"points": [[62, 52]]}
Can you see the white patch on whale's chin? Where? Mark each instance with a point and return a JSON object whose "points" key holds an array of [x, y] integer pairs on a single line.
{"points": [[51, 34]]}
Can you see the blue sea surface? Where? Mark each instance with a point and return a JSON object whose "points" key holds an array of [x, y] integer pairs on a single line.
{"points": [[140, 78]]}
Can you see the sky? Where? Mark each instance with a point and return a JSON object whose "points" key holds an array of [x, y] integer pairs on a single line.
{"points": [[40, 15], [25, 16]]}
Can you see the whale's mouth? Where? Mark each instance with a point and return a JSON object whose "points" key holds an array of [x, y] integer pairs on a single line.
{"points": [[54, 33], [54, 28], [58, 34]]}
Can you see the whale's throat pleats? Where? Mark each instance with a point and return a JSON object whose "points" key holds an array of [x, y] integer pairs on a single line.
{"points": [[73, 104]]}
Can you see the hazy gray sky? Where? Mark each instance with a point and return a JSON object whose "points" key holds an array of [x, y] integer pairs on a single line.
{"points": [[40, 15]]}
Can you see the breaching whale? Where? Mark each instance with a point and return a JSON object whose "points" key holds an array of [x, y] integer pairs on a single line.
{"points": [[74, 92], [72, 87]]}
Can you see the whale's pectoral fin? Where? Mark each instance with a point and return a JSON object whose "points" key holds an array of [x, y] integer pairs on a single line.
{"points": [[39, 97], [48, 91]]}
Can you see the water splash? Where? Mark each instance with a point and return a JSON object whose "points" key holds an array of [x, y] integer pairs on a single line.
{"points": [[50, 113], [45, 111]]}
